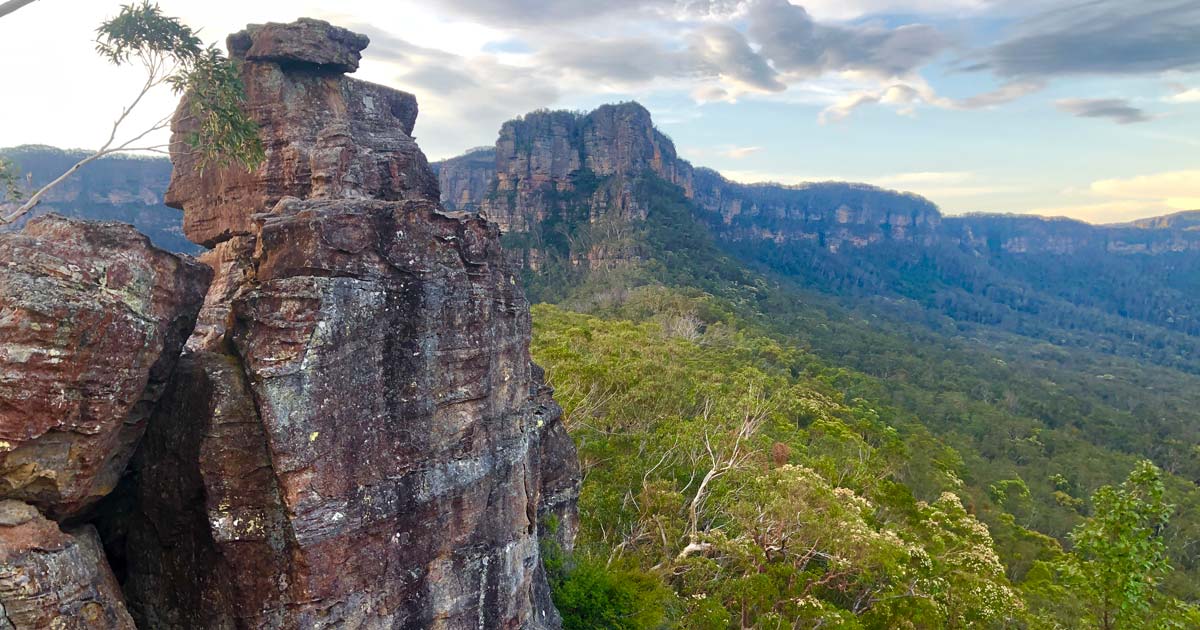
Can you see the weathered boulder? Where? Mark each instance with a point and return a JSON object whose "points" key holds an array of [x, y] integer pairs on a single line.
{"points": [[92, 320], [359, 439], [305, 43], [50, 578]]}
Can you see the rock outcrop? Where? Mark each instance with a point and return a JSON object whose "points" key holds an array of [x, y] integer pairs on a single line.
{"points": [[564, 170], [51, 578], [544, 156], [1022, 234], [561, 170], [325, 135], [359, 439], [833, 216], [92, 321]]}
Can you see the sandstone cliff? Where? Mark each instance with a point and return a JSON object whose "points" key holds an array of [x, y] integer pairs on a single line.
{"points": [[465, 181], [557, 169], [92, 321], [562, 170], [359, 439]]}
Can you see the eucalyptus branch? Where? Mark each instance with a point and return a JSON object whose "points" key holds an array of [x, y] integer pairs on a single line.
{"points": [[171, 54], [13, 5]]}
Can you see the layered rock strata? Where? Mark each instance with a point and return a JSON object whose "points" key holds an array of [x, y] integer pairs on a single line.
{"points": [[51, 578], [359, 439]]}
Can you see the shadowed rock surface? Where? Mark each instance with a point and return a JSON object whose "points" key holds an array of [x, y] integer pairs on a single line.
{"points": [[92, 320], [51, 578], [359, 439]]}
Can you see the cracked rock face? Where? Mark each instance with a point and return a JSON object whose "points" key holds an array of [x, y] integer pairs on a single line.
{"points": [[92, 320], [359, 439], [51, 578]]}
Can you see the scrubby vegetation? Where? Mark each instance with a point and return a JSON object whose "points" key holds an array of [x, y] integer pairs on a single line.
{"points": [[761, 454]]}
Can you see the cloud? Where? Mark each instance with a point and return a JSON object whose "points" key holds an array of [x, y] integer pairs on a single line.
{"points": [[526, 12], [1101, 37], [1115, 109], [463, 97], [907, 95], [940, 185], [780, 46], [924, 178], [904, 96], [620, 60], [1179, 190], [726, 52], [1006, 93], [739, 153], [1104, 212], [1184, 95], [1125, 199], [798, 45]]}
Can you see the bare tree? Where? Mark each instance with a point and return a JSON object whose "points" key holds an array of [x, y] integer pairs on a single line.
{"points": [[721, 457], [171, 55]]}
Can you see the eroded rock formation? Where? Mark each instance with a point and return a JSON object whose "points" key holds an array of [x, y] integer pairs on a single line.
{"points": [[359, 439], [555, 171], [92, 321], [325, 135], [51, 578]]}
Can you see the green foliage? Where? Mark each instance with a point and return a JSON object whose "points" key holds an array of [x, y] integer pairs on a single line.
{"points": [[1119, 557], [593, 596], [141, 31], [729, 464], [171, 52], [224, 134], [10, 181], [857, 386]]}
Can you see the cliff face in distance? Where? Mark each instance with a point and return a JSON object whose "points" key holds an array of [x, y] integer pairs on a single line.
{"points": [[578, 193], [116, 188], [544, 164]]}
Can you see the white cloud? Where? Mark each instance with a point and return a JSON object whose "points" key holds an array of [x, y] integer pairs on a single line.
{"points": [[1185, 96], [1177, 190], [906, 94], [739, 153], [1103, 212]]}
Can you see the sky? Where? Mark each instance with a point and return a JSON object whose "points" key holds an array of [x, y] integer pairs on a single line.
{"points": [[1081, 108]]}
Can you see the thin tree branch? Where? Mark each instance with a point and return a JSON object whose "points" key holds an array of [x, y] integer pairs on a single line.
{"points": [[151, 82], [13, 5]]}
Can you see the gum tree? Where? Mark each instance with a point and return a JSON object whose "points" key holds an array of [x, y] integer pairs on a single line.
{"points": [[172, 56]]}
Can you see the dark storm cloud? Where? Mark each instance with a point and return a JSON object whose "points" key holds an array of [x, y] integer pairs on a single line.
{"points": [[1115, 109], [707, 52], [795, 43], [526, 12], [782, 42], [1112, 37]]}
